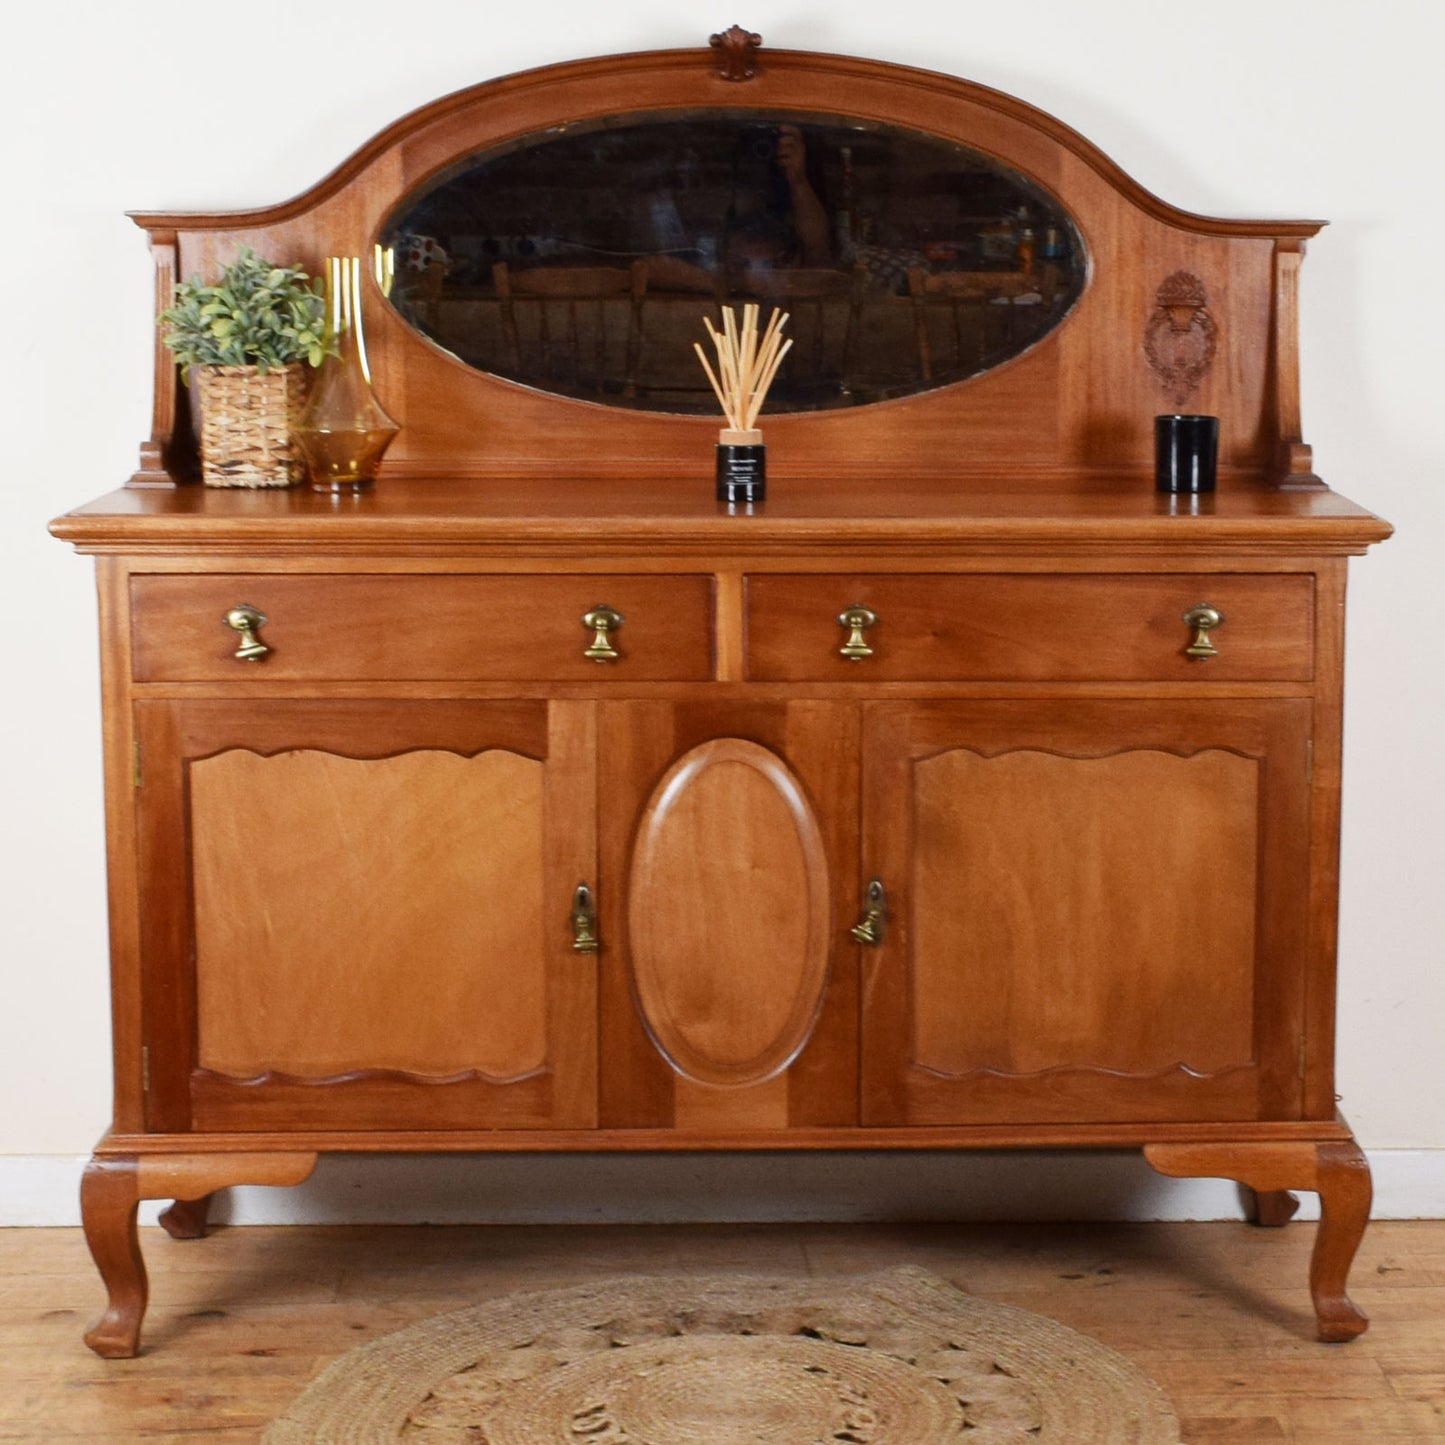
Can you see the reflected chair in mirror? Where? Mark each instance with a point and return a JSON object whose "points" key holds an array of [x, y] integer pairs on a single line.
{"points": [[573, 327], [982, 313], [825, 310]]}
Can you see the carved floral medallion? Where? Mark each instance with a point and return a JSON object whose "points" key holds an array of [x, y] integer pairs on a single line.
{"points": [[1180, 336]]}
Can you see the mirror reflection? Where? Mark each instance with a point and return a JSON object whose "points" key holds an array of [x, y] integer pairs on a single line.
{"points": [[581, 261]]}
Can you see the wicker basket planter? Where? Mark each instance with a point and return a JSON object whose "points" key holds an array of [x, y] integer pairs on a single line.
{"points": [[247, 420]]}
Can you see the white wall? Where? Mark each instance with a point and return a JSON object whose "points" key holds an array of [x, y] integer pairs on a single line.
{"points": [[1275, 108]]}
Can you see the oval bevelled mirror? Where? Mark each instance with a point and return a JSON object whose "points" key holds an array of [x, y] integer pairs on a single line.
{"points": [[580, 261]]}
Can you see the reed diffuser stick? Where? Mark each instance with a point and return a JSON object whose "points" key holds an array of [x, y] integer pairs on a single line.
{"points": [[716, 386], [746, 366]]}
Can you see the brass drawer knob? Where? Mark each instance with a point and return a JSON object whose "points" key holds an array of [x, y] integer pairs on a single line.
{"points": [[857, 620], [246, 619], [602, 621], [584, 921], [1203, 619], [869, 928]]}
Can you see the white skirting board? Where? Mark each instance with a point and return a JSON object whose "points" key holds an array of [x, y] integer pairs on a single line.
{"points": [[719, 1188]]}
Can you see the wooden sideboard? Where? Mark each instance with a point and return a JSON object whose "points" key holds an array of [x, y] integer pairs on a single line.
{"points": [[909, 809]]}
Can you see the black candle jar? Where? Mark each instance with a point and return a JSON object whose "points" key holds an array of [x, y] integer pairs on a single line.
{"points": [[1185, 452]]}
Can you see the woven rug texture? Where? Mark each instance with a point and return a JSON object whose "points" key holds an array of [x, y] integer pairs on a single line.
{"points": [[895, 1358]]}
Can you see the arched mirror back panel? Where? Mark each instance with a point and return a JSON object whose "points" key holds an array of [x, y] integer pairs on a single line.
{"points": [[977, 295], [578, 261]]}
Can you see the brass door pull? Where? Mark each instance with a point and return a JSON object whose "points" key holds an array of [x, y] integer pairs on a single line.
{"points": [[869, 929], [857, 620], [584, 921], [245, 619], [602, 621], [1203, 619]]}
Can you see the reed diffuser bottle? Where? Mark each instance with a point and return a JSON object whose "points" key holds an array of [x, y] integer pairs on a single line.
{"points": [[747, 362], [344, 431]]}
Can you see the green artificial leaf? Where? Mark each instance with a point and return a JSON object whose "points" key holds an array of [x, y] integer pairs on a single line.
{"points": [[257, 313]]}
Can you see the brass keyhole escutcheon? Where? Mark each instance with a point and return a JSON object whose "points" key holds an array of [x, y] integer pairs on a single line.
{"points": [[602, 621], [246, 619], [869, 928], [857, 620], [1203, 619], [584, 921]]}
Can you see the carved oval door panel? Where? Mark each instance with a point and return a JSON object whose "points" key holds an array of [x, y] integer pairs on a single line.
{"points": [[728, 914]]}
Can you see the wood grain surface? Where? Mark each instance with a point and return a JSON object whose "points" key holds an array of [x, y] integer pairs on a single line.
{"points": [[1217, 1313], [418, 977], [730, 914], [1004, 937], [644, 510], [1054, 628], [1084, 912], [365, 627], [385, 913]]}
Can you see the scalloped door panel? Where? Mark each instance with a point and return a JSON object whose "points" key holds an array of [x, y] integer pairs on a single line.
{"points": [[369, 927], [400, 922], [1099, 911], [729, 915], [1048, 870]]}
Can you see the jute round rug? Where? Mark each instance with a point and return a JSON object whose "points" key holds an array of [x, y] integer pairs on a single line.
{"points": [[898, 1358]]}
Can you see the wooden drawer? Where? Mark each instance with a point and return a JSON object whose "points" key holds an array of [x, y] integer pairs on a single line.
{"points": [[405, 628], [1032, 628]]}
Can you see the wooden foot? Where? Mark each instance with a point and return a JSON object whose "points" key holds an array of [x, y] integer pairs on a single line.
{"points": [[1345, 1194], [1336, 1171], [111, 1190], [109, 1194], [1271, 1208], [186, 1218]]}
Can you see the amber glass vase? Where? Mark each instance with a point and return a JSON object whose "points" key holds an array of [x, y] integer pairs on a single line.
{"points": [[344, 430]]}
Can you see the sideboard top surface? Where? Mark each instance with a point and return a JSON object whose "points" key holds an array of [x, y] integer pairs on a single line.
{"points": [[638, 514]]}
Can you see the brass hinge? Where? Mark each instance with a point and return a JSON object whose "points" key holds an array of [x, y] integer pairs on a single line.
{"points": [[1309, 757], [135, 775], [145, 1068]]}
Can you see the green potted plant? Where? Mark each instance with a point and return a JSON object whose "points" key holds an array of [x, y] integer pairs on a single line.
{"points": [[246, 340]]}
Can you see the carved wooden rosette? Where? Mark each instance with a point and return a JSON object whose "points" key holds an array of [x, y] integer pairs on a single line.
{"points": [[736, 51], [1180, 335]]}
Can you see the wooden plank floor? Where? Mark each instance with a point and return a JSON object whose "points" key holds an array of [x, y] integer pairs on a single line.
{"points": [[1217, 1313]]}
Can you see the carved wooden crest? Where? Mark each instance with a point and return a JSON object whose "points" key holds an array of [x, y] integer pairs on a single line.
{"points": [[1180, 335], [736, 50]]}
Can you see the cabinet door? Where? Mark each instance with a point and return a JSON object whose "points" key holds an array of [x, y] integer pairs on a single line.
{"points": [[357, 914], [729, 988], [1098, 911]]}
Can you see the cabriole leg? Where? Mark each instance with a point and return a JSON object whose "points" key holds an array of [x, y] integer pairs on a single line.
{"points": [[1336, 1170], [186, 1218], [109, 1195], [111, 1190], [1269, 1208], [1345, 1194]]}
